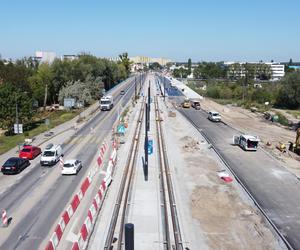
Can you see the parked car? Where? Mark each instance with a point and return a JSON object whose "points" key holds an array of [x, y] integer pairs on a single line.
{"points": [[29, 152], [214, 116], [14, 165], [71, 167], [122, 92]]}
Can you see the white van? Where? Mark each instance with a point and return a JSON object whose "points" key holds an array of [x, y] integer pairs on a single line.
{"points": [[51, 155], [246, 142]]}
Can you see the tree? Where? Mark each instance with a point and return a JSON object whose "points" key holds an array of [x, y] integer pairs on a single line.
{"points": [[190, 66], [289, 93], [125, 61], [10, 99], [42, 80], [263, 71], [155, 66], [180, 73]]}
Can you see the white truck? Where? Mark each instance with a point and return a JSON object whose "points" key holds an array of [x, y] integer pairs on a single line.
{"points": [[51, 155], [246, 142], [106, 102]]}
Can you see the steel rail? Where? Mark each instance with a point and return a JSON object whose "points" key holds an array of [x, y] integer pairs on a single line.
{"points": [[167, 173], [167, 241], [124, 186]]}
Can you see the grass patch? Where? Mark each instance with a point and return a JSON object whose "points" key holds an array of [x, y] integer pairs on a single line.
{"points": [[295, 113], [37, 127]]}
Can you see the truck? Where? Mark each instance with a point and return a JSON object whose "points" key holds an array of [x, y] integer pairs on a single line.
{"points": [[106, 102], [196, 104], [246, 142]]}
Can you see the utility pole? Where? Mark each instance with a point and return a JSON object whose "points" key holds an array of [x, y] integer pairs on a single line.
{"points": [[17, 118], [164, 89], [146, 143], [135, 88]]}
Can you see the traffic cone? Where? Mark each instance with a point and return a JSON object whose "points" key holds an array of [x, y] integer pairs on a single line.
{"points": [[4, 219]]}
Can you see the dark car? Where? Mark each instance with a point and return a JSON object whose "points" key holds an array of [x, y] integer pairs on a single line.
{"points": [[14, 165], [122, 92]]}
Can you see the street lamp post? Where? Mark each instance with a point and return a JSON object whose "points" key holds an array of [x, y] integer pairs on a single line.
{"points": [[17, 118]]}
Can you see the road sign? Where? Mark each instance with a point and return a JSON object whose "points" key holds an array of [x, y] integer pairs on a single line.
{"points": [[150, 146], [18, 130], [121, 129]]}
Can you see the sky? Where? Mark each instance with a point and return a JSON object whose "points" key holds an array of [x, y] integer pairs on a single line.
{"points": [[210, 30]]}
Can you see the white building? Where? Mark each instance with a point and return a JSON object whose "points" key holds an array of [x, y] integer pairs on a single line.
{"points": [[277, 69], [69, 57], [43, 56]]}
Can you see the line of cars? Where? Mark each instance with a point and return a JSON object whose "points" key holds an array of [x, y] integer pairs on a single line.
{"points": [[246, 142], [49, 157]]}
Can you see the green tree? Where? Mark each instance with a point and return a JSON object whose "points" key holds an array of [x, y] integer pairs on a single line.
{"points": [[190, 66], [155, 66], [10, 98], [125, 61], [40, 82], [180, 73], [289, 93]]}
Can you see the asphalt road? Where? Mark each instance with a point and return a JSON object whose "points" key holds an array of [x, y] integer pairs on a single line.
{"points": [[276, 190], [32, 229]]}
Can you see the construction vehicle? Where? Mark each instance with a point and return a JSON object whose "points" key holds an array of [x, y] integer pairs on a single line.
{"points": [[295, 147], [186, 103]]}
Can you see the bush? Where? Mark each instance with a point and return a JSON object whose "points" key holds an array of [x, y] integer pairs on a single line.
{"points": [[213, 92], [282, 119]]}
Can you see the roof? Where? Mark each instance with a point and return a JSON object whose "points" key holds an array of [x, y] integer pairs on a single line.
{"points": [[70, 161], [251, 137], [214, 112]]}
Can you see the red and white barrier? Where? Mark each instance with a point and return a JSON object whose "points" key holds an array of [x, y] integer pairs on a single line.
{"points": [[4, 218], [68, 213], [87, 226], [103, 149]]}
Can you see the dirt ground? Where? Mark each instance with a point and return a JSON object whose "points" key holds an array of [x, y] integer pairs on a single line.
{"points": [[227, 218], [254, 123]]}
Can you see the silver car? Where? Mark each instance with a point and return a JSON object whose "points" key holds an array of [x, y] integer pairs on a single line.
{"points": [[214, 116]]}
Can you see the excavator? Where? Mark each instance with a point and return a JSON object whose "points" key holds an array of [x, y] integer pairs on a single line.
{"points": [[295, 147]]}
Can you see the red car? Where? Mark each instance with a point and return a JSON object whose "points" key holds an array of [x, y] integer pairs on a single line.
{"points": [[29, 152]]}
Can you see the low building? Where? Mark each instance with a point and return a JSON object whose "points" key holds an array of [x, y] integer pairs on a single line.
{"points": [[147, 60], [45, 57], [69, 57], [237, 69]]}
